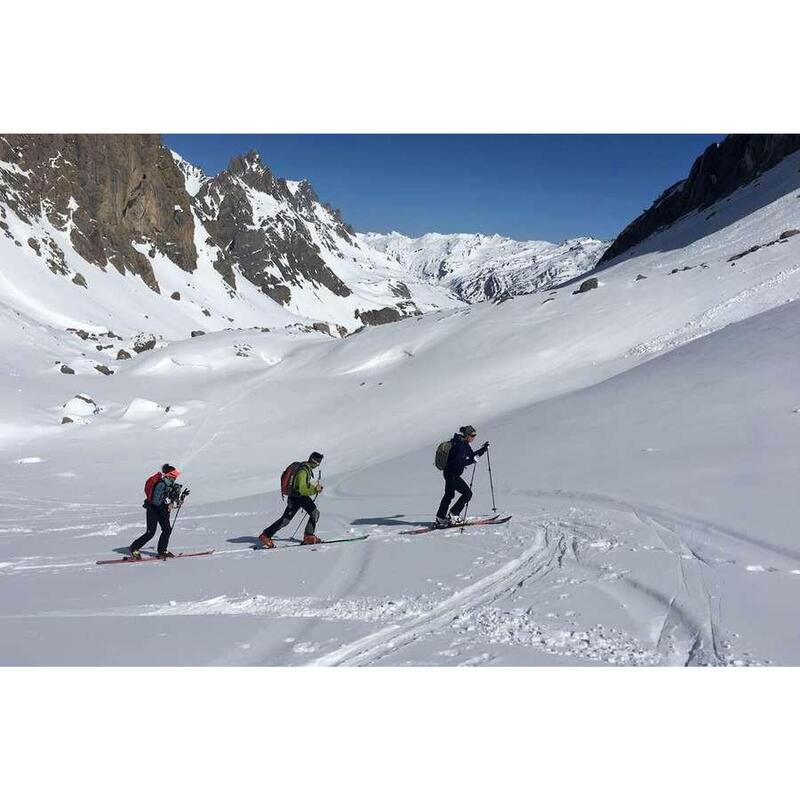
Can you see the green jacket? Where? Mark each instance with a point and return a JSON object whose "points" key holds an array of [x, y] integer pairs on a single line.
{"points": [[301, 485]]}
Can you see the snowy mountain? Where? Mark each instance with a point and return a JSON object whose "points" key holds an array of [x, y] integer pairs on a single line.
{"points": [[644, 435], [478, 267], [719, 170], [189, 252]]}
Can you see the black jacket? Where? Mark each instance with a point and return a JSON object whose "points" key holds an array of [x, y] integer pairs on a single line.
{"points": [[460, 457]]}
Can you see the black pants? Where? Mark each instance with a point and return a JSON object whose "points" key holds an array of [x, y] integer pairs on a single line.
{"points": [[156, 515], [293, 505], [452, 484]]}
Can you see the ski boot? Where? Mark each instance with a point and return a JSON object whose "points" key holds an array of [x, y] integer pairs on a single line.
{"points": [[310, 538], [135, 555], [443, 522], [265, 541], [165, 555]]}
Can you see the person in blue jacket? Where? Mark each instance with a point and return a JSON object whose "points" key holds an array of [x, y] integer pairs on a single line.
{"points": [[461, 455], [158, 506]]}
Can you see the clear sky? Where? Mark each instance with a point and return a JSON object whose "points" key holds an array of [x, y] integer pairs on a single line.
{"points": [[535, 186]]}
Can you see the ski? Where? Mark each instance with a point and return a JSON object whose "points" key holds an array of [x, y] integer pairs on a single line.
{"points": [[299, 543], [496, 520], [129, 560]]}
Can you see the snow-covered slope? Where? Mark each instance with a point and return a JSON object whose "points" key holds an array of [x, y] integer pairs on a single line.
{"points": [[478, 267], [119, 233], [644, 437]]}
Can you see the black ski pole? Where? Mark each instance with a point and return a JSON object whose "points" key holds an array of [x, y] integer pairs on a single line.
{"points": [[181, 501], [491, 482], [466, 509]]}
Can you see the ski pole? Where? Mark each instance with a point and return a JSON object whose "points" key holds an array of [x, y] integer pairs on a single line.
{"points": [[491, 483], [182, 500], [302, 517], [466, 509]]}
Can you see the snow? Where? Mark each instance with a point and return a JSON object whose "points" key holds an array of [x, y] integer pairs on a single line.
{"points": [[477, 267], [643, 436]]}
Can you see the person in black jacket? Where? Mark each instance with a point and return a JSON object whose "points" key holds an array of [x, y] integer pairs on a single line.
{"points": [[158, 506], [459, 458]]}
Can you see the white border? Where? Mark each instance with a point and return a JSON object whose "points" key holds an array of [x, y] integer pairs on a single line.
{"points": [[414, 67], [689, 66]]}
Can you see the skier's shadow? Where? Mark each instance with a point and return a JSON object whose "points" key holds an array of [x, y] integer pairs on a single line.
{"points": [[397, 519], [243, 540]]}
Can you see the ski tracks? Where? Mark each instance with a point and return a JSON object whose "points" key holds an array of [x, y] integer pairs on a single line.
{"points": [[535, 559]]}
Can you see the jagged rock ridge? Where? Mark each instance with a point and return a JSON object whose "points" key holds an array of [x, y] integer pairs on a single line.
{"points": [[720, 170]]}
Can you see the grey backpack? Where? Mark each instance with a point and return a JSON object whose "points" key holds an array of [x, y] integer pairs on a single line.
{"points": [[442, 452]]}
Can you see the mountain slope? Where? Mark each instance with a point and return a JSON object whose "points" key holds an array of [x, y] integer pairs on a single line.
{"points": [[478, 267], [642, 434], [720, 170], [240, 248]]}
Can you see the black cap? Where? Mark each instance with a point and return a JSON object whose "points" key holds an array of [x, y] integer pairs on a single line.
{"points": [[467, 430], [315, 458], [167, 468]]}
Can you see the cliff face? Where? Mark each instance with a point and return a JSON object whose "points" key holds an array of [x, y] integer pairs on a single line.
{"points": [[75, 204], [720, 170], [109, 192], [269, 229]]}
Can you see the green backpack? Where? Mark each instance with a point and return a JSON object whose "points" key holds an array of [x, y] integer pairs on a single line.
{"points": [[442, 452]]}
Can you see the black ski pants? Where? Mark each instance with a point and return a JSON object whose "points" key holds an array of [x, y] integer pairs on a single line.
{"points": [[452, 484], [156, 515], [293, 505]]}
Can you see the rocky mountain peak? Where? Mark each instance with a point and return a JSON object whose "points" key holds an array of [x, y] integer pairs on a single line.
{"points": [[720, 170]]}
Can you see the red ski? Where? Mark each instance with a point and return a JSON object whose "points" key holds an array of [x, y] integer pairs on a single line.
{"points": [[129, 560], [290, 542], [496, 520]]}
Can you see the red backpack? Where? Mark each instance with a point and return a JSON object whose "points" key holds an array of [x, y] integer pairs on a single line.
{"points": [[149, 485], [287, 477]]}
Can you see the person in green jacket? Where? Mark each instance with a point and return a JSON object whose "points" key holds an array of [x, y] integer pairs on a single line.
{"points": [[301, 494]]}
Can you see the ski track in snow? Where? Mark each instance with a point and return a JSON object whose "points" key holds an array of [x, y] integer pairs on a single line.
{"points": [[704, 324], [568, 550]]}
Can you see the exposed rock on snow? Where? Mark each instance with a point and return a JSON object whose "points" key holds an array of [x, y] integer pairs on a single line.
{"points": [[586, 286], [144, 341]]}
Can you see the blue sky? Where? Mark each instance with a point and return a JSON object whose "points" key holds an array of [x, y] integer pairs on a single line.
{"points": [[525, 186]]}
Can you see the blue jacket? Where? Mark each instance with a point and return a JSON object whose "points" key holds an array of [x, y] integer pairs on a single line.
{"points": [[159, 497], [460, 456]]}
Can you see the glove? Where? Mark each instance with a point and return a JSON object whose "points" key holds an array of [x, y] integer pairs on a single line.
{"points": [[483, 448]]}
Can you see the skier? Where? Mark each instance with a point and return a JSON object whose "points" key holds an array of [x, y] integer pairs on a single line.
{"points": [[459, 458], [158, 505], [300, 494]]}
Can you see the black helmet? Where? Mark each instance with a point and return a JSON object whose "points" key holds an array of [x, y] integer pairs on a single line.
{"points": [[315, 458]]}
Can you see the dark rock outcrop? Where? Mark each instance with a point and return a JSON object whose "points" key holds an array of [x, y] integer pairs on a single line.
{"points": [[379, 316], [110, 191], [720, 170], [586, 286], [144, 341]]}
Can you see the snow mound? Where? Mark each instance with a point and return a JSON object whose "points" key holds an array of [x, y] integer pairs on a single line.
{"points": [[172, 423], [81, 406], [140, 410]]}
